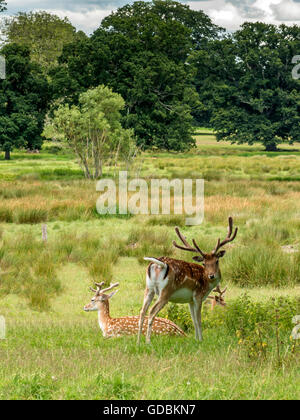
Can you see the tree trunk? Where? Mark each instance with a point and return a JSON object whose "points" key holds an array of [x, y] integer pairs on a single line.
{"points": [[271, 147], [7, 154]]}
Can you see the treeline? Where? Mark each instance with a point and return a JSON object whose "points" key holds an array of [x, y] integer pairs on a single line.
{"points": [[174, 68]]}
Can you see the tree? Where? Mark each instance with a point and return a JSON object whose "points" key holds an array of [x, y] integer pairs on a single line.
{"points": [[43, 33], [93, 129], [248, 86], [24, 96], [141, 52]]}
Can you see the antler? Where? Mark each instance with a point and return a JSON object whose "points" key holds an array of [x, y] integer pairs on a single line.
{"points": [[99, 285], [228, 238], [218, 290], [187, 246], [110, 287]]}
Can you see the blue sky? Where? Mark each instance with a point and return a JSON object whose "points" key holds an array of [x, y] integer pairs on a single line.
{"points": [[87, 15]]}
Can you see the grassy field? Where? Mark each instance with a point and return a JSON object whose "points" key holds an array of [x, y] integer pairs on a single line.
{"points": [[54, 350]]}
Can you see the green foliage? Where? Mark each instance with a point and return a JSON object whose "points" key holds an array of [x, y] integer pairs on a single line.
{"points": [[53, 147], [144, 242], [261, 264], [35, 387], [262, 329], [141, 52], [30, 216], [245, 83], [116, 388], [24, 101], [43, 33], [93, 130]]}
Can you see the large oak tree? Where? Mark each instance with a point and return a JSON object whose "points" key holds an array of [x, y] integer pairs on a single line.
{"points": [[141, 51], [246, 86]]}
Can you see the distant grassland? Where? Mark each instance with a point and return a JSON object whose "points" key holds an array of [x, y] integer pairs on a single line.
{"points": [[55, 350]]}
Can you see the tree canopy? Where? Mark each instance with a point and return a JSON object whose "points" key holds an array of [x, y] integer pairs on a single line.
{"points": [[248, 88], [172, 66], [93, 129], [24, 98], [141, 51], [43, 33]]}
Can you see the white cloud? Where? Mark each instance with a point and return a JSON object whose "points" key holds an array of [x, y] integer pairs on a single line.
{"points": [[86, 20], [87, 14], [232, 13], [287, 10]]}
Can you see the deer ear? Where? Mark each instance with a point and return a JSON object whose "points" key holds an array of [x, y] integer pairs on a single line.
{"points": [[198, 258], [221, 254]]}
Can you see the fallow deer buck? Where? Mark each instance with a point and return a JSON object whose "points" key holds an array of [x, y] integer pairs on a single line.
{"points": [[183, 282], [126, 325]]}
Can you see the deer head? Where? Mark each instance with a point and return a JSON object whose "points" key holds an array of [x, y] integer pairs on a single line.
{"points": [[100, 297], [218, 299], [210, 260]]}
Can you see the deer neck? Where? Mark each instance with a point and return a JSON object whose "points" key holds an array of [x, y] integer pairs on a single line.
{"points": [[104, 317], [212, 285]]}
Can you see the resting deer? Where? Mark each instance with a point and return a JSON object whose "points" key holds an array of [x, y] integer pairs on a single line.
{"points": [[127, 325], [217, 299], [183, 282]]}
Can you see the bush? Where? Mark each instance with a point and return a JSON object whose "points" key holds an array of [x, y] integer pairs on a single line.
{"points": [[30, 216], [29, 269], [53, 147], [173, 221], [144, 242], [255, 325], [261, 265], [6, 215]]}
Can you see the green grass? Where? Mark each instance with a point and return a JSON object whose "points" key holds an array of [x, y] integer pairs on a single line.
{"points": [[54, 350]]}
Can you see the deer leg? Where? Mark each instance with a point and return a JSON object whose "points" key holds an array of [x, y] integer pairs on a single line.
{"points": [[162, 301], [192, 311], [198, 308], [147, 302]]}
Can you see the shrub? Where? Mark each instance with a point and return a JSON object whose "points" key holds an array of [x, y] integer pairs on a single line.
{"points": [[29, 269], [144, 242], [261, 265], [175, 220], [53, 147], [30, 216], [261, 329], [6, 215]]}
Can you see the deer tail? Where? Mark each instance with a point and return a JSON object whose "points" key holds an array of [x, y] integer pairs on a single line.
{"points": [[156, 261]]}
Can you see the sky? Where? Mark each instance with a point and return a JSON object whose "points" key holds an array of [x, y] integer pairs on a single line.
{"points": [[86, 15]]}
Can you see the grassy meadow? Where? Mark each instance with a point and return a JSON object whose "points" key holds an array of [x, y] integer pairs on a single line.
{"points": [[54, 350]]}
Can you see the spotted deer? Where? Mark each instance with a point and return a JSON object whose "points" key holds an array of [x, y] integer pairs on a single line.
{"points": [[183, 282], [127, 325], [217, 299]]}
